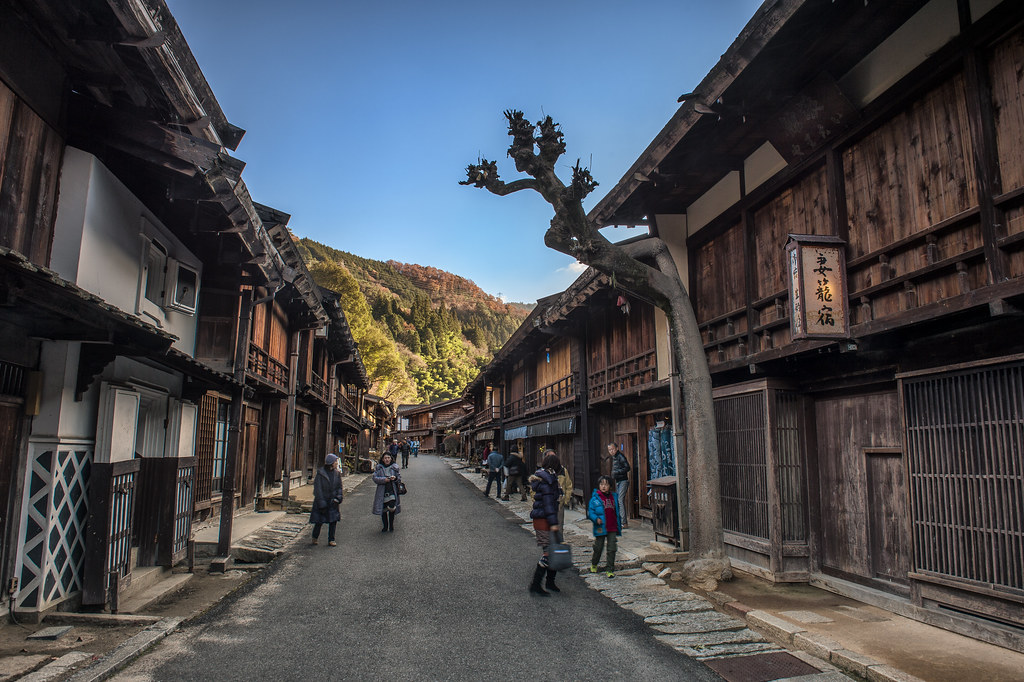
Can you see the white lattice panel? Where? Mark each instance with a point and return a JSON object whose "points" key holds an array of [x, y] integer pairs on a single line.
{"points": [[52, 547]]}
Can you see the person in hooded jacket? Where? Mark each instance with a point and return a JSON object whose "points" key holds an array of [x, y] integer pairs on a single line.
{"points": [[327, 495], [603, 511], [545, 518], [387, 503]]}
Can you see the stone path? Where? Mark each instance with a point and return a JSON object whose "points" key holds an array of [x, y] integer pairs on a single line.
{"points": [[687, 622]]}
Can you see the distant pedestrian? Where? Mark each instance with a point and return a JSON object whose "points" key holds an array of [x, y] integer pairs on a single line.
{"points": [[620, 473], [516, 480], [327, 494], [602, 511], [545, 519], [415, 443], [404, 448], [386, 501], [495, 462], [394, 450]]}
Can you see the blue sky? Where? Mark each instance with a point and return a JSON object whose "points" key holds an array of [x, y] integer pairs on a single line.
{"points": [[362, 116]]}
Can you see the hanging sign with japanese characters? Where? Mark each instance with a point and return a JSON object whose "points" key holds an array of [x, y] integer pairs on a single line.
{"points": [[817, 287]]}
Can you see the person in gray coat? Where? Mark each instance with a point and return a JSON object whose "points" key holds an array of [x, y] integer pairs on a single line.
{"points": [[387, 503]]}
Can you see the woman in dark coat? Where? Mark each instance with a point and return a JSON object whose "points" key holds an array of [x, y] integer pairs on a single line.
{"points": [[327, 496], [545, 517], [386, 501]]}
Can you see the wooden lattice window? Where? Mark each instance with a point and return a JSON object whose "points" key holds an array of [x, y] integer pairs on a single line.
{"points": [[965, 445], [742, 464], [790, 466]]}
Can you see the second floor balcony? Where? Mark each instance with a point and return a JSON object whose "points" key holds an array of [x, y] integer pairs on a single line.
{"points": [[623, 378], [487, 415], [318, 388], [557, 393], [266, 368]]}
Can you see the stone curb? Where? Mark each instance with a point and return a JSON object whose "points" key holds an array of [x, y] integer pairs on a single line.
{"points": [[126, 652], [820, 646]]}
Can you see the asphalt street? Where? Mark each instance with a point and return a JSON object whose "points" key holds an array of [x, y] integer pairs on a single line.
{"points": [[444, 597]]}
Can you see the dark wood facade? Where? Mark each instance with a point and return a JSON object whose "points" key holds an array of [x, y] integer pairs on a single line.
{"points": [[582, 371], [886, 463]]}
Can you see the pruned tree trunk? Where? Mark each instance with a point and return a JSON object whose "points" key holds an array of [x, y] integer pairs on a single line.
{"points": [[535, 154]]}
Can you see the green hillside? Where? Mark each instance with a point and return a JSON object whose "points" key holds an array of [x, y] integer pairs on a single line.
{"points": [[428, 332]]}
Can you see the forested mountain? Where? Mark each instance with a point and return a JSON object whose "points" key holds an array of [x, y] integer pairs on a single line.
{"points": [[423, 333]]}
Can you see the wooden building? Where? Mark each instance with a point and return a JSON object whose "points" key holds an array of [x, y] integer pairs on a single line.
{"points": [[588, 367], [868, 378], [151, 307], [428, 423]]}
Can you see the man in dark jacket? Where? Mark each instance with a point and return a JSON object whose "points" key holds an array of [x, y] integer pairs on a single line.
{"points": [[494, 464], [516, 476], [404, 448], [327, 495], [620, 472]]}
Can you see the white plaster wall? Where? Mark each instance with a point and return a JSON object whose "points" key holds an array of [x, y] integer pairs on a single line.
{"points": [[930, 28], [98, 242], [980, 8], [712, 203], [673, 231], [662, 344], [60, 415], [760, 166]]}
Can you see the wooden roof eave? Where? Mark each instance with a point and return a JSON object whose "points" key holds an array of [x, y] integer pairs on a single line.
{"points": [[755, 35], [175, 69]]}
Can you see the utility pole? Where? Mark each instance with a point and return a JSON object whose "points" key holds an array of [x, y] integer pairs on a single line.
{"points": [[234, 446], [289, 424]]}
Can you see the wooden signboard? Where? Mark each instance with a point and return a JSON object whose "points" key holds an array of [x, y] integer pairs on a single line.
{"points": [[819, 305]]}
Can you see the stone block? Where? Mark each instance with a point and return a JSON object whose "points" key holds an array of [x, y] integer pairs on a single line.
{"points": [[816, 644], [738, 609], [774, 627], [221, 564], [852, 662], [720, 598], [886, 673]]}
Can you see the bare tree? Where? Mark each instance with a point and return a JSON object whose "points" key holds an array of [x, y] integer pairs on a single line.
{"points": [[535, 149]]}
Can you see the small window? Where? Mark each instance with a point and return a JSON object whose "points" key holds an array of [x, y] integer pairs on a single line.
{"points": [[184, 283], [152, 273]]}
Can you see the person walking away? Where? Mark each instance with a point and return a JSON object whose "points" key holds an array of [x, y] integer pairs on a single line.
{"points": [[415, 447], [545, 519], [386, 501], [494, 464], [620, 473], [602, 511], [327, 495], [516, 480], [404, 448]]}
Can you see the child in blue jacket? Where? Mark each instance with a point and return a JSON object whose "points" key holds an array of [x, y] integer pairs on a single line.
{"points": [[602, 511]]}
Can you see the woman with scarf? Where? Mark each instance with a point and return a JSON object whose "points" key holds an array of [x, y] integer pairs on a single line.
{"points": [[545, 517], [327, 496], [386, 501]]}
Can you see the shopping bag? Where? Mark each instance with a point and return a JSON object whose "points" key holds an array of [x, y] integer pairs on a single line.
{"points": [[559, 554]]}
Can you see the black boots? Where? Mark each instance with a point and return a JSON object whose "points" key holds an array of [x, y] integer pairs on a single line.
{"points": [[550, 582], [538, 575]]}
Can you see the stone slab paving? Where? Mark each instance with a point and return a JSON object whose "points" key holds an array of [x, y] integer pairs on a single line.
{"points": [[806, 617], [683, 620]]}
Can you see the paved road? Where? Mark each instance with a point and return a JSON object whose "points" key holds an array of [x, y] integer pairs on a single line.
{"points": [[444, 597]]}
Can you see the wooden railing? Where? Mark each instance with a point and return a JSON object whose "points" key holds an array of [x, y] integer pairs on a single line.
{"points": [[318, 388], [623, 378], [555, 393], [343, 402], [267, 368], [487, 415]]}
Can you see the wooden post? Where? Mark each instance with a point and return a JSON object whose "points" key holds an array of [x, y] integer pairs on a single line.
{"points": [[289, 423], [234, 449], [332, 388]]}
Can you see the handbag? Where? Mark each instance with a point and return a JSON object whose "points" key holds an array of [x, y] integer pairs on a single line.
{"points": [[401, 488], [559, 554]]}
